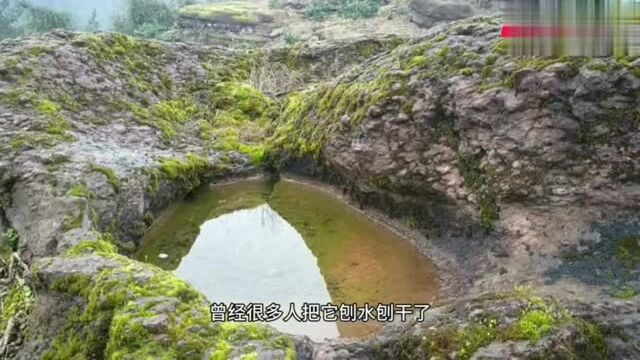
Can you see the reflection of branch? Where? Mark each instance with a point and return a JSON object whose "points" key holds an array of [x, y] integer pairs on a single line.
{"points": [[268, 217]]}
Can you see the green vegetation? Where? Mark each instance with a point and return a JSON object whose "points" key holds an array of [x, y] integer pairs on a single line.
{"points": [[57, 124], [73, 222], [348, 9], [628, 251], [244, 118], [466, 72], [189, 171], [81, 191], [417, 61], [624, 292], [101, 247], [538, 319], [18, 300], [38, 140], [234, 12], [145, 18], [111, 326], [110, 174], [533, 325], [477, 179], [19, 17], [167, 115], [309, 117], [11, 239]]}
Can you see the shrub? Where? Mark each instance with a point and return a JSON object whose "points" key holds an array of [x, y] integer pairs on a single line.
{"points": [[42, 19], [145, 18], [19, 17]]}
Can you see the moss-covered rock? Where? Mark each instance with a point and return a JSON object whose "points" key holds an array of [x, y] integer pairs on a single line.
{"points": [[128, 310]]}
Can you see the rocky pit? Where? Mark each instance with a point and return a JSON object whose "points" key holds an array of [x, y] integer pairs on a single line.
{"points": [[517, 177]]}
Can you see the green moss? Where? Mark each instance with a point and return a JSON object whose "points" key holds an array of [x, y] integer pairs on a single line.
{"points": [[240, 13], [509, 82], [417, 62], [597, 347], [625, 292], [243, 119], [113, 47], [110, 174], [188, 171], [440, 38], [56, 125], [477, 180], [38, 51], [100, 246], [443, 53], [309, 117], [466, 72], [47, 107], [500, 48], [628, 251], [110, 325], [538, 319], [73, 222], [167, 116], [81, 191], [535, 324], [252, 356], [489, 211], [19, 298], [38, 140]]}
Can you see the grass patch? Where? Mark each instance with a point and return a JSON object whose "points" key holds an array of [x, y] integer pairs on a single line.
{"points": [[110, 174], [81, 191]]}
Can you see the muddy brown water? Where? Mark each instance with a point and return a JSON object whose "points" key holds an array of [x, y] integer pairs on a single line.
{"points": [[259, 241]]}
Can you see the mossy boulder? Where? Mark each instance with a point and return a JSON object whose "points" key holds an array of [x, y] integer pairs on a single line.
{"points": [[117, 308]]}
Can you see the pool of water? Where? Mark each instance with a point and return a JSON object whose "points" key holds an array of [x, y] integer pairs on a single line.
{"points": [[259, 241]]}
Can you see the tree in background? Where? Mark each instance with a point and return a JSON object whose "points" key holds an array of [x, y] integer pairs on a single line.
{"points": [[145, 18], [18, 18], [93, 25], [39, 19], [10, 13]]}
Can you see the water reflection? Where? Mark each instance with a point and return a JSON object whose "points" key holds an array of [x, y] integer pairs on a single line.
{"points": [[254, 241], [255, 256]]}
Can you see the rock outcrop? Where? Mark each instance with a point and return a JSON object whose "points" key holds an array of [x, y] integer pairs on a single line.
{"points": [[509, 164], [427, 13], [90, 122], [514, 170], [226, 23]]}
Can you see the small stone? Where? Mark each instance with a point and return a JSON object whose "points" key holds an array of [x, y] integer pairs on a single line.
{"points": [[156, 324], [163, 256]]}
